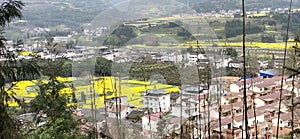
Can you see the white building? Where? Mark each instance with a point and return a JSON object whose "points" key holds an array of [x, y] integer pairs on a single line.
{"points": [[120, 110], [260, 117], [238, 86], [193, 58], [157, 101], [61, 39], [149, 122]]}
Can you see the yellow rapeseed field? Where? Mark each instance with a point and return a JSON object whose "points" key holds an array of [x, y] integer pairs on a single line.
{"points": [[108, 87]]}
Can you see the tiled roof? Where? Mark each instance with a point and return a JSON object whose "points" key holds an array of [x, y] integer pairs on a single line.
{"points": [[224, 121], [250, 114], [235, 105], [266, 84], [176, 120], [155, 116], [274, 96], [288, 116], [268, 107], [249, 81]]}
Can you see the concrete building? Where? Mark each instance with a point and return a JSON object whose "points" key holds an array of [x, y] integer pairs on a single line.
{"points": [[157, 101]]}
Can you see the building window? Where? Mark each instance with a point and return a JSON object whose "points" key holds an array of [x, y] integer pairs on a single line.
{"points": [[281, 128]]}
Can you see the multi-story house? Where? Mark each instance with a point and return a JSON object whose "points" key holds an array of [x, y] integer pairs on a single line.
{"points": [[157, 101]]}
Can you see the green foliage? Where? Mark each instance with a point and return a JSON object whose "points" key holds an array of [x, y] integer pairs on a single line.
{"points": [[231, 51], [144, 70], [72, 13], [162, 127], [268, 39], [234, 28], [67, 69], [10, 10], [10, 69], [184, 33], [103, 67], [283, 18], [120, 36], [59, 122]]}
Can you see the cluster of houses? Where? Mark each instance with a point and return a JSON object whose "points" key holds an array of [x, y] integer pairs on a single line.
{"points": [[263, 95], [231, 13], [191, 113]]}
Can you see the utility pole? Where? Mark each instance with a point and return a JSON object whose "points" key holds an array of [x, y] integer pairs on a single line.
{"points": [[283, 68], [244, 66]]}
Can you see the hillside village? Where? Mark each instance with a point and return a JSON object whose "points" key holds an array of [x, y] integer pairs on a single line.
{"points": [[181, 111], [190, 107]]}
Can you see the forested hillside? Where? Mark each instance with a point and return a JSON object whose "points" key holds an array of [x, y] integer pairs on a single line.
{"points": [[73, 13]]}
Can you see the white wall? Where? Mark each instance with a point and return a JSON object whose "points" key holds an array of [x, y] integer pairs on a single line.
{"points": [[234, 88], [259, 102], [154, 102], [256, 89], [122, 115], [146, 125]]}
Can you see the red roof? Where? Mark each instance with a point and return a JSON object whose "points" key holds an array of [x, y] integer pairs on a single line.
{"points": [[288, 116], [249, 81], [176, 120], [266, 84], [274, 96], [276, 78], [250, 114], [272, 106], [235, 105], [224, 121], [155, 116]]}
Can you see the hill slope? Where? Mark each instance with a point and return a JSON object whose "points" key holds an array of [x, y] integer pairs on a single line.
{"points": [[216, 5], [72, 13]]}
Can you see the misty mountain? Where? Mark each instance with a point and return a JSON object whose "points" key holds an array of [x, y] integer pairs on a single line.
{"points": [[47, 13], [74, 13], [216, 5]]}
